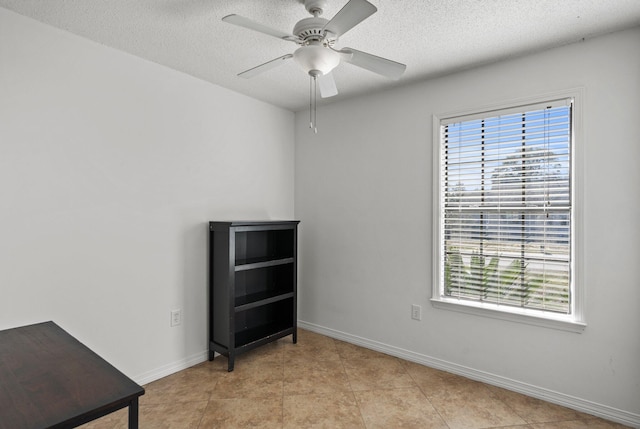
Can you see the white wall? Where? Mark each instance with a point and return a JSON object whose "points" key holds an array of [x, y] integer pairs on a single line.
{"points": [[364, 195], [110, 167]]}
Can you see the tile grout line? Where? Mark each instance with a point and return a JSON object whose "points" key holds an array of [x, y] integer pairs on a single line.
{"points": [[205, 410], [353, 393], [283, 379], [513, 410], [426, 397]]}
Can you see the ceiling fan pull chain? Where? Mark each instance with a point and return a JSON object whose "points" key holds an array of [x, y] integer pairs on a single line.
{"points": [[313, 93], [315, 103], [310, 102]]}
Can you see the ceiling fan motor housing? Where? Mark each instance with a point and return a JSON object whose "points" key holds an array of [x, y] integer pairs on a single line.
{"points": [[311, 29]]}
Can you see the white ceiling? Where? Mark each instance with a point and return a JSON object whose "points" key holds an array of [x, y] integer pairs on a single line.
{"points": [[432, 37]]}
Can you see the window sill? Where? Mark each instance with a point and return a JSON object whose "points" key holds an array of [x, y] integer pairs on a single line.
{"points": [[512, 314]]}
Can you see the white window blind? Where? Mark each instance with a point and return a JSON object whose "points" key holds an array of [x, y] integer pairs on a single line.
{"points": [[506, 207]]}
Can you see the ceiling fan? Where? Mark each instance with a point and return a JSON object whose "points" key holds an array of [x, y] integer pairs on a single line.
{"points": [[317, 54]]}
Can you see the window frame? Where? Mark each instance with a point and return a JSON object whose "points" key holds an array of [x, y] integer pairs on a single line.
{"points": [[574, 322]]}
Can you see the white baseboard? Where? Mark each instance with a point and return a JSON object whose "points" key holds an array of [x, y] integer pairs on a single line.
{"points": [[171, 368], [578, 404]]}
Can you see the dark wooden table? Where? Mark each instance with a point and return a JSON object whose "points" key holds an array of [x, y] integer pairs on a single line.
{"points": [[48, 379]]}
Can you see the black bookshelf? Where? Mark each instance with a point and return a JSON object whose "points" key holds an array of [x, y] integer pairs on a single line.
{"points": [[252, 285]]}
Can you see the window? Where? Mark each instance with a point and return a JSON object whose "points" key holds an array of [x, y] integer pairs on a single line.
{"points": [[505, 219]]}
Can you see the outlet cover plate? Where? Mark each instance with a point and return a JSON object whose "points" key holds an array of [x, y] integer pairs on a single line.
{"points": [[416, 312], [176, 317]]}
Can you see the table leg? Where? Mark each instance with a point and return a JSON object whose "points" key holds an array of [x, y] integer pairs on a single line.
{"points": [[133, 414]]}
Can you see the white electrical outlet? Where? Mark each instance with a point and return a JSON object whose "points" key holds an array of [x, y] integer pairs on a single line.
{"points": [[416, 312], [176, 317]]}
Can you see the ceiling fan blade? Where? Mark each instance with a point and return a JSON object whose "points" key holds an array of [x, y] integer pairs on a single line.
{"points": [[353, 13], [379, 65], [252, 25], [327, 85], [264, 67]]}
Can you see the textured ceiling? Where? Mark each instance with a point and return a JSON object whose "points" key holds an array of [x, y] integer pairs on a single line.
{"points": [[432, 37]]}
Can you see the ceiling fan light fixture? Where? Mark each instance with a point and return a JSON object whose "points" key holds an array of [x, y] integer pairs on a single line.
{"points": [[316, 58]]}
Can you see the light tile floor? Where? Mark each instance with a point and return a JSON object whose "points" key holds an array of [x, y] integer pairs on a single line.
{"points": [[325, 383]]}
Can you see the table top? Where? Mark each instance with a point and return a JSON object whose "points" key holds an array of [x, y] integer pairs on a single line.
{"points": [[50, 379]]}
